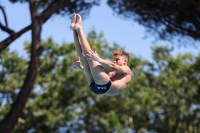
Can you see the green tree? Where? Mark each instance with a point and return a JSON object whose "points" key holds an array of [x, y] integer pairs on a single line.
{"points": [[58, 92], [163, 95], [168, 18], [40, 12]]}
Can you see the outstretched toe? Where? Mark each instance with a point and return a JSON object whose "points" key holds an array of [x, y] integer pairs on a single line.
{"points": [[73, 21], [79, 19], [78, 24]]}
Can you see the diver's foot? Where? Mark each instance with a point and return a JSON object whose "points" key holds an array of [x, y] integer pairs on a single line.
{"points": [[73, 21], [78, 24]]}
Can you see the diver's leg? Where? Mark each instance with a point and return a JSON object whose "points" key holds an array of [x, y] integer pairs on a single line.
{"points": [[79, 52], [98, 71]]}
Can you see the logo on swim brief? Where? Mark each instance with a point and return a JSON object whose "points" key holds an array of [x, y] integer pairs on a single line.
{"points": [[101, 87]]}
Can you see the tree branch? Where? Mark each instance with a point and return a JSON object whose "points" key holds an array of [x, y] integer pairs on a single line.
{"points": [[5, 28], [55, 6], [44, 16], [5, 43], [7, 124], [196, 4], [4, 15]]}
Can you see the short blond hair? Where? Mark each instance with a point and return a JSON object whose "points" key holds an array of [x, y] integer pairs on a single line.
{"points": [[122, 53]]}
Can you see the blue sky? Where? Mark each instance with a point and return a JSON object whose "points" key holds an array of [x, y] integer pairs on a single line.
{"points": [[124, 32]]}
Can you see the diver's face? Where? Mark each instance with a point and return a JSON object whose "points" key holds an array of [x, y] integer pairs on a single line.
{"points": [[119, 60]]}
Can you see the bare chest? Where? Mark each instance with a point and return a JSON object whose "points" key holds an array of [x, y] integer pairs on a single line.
{"points": [[115, 76], [111, 73]]}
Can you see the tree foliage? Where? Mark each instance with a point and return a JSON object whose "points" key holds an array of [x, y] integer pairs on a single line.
{"points": [[40, 12], [163, 95], [167, 18]]}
